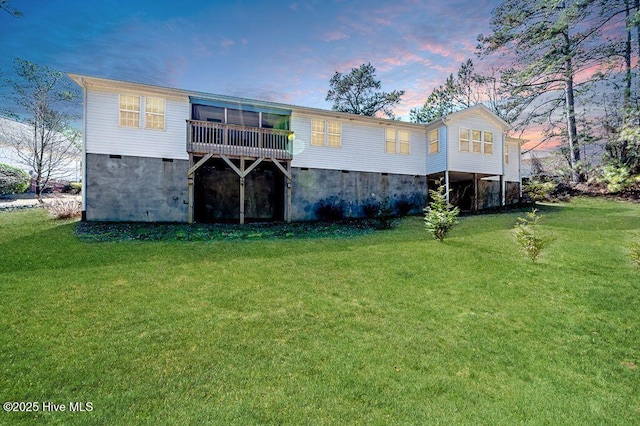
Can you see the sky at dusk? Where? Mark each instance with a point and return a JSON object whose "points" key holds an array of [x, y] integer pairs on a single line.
{"points": [[284, 51]]}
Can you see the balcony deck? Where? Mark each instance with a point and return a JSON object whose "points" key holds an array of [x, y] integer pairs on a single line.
{"points": [[205, 137]]}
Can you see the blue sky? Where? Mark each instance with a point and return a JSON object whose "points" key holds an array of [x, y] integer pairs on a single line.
{"points": [[283, 51]]}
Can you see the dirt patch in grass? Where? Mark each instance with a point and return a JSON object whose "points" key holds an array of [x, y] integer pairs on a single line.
{"points": [[132, 231]]}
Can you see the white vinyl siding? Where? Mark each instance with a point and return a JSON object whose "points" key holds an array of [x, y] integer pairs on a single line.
{"points": [[512, 168], [461, 135], [362, 148], [105, 135]]}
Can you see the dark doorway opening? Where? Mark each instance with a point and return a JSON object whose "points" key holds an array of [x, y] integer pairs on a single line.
{"points": [[217, 192]]}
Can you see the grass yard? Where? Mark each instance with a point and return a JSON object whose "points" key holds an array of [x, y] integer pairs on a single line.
{"points": [[388, 327]]}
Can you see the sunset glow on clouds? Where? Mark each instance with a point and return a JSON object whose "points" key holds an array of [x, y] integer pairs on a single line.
{"points": [[281, 51]]}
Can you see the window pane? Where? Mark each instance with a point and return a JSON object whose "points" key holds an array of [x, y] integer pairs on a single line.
{"points": [[464, 145], [404, 147], [207, 113], [317, 126], [334, 141], [475, 135], [464, 134], [391, 146], [488, 148], [154, 121], [506, 154], [391, 135], [243, 118], [477, 146], [130, 103], [433, 136], [488, 137], [275, 121], [403, 136], [334, 127], [317, 139], [155, 105], [433, 147]]}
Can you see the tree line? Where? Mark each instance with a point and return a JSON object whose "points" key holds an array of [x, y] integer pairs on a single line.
{"points": [[570, 67]]}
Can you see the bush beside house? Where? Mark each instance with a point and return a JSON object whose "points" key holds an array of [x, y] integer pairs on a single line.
{"points": [[13, 180]]}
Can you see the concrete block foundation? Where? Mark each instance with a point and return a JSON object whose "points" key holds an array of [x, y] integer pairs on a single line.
{"points": [[137, 189]]}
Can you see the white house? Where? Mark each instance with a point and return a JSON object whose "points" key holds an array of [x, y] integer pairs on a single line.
{"points": [[162, 154]]}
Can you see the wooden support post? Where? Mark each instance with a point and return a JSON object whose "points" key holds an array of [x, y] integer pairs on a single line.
{"points": [[191, 200], [287, 214], [475, 192], [241, 190], [446, 184]]}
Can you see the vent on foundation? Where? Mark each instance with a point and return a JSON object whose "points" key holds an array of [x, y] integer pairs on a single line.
{"points": [[115, 156], [168, 160]]}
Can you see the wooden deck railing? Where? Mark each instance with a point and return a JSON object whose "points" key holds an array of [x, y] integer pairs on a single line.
{"points": [[204, 137]]}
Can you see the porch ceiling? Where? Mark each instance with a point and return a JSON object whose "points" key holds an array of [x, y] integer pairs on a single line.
{"points": [[460, 176]]}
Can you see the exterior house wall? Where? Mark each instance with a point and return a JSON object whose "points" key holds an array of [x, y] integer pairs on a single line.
{"points": [[138, 174], [437, 162], [140, 189], [363, 148], [104, 135], [512, 170], [473, 162], [352, 190]]}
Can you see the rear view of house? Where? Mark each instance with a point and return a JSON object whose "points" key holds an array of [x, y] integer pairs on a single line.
{"points": [[163, 154]]}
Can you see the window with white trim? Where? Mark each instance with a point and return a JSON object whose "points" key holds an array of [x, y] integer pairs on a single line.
{"points": [[506, 154], [129, 111], [334, 134], [154, 113], [326, 133], [487, 143], [397, 141], [478, 141], [434, 142], [465, 136]]}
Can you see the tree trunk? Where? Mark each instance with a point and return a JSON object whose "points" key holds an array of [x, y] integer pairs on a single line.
{"points": [[637, 8], [627, 82], [572, 132]]}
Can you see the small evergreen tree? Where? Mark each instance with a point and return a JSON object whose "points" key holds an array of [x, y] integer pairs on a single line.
{"points": [[440, 216], [528, 235]]}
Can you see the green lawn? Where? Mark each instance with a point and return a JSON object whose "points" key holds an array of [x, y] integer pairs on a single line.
{"points": [[390, 327]]}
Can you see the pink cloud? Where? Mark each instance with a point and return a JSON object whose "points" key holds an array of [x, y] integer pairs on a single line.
{"points": [[448, 51]]}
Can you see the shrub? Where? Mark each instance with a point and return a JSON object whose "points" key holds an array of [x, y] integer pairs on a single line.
{"points": [[73, 188], [330, 209], [440, 216], [64, 209], [386, 213], [371, 208], [617, 178], [404, 205], [529, 237], [539, 190], [13, 180]]}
